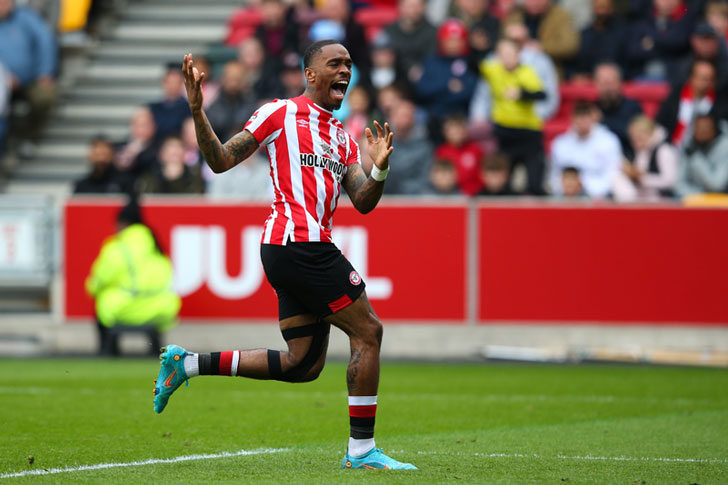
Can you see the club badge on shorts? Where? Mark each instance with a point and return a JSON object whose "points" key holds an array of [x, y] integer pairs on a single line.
{"points": [[354, 278]]}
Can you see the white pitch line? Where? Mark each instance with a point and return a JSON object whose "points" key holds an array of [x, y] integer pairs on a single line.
{"points": [[153, 461], [587, 457]]}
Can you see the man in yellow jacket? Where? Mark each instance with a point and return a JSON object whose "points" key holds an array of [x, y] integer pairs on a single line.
{"points": [[131, 282]]}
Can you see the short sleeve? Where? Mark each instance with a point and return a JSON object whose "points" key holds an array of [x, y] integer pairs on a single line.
{"points": [[354, 153], [266, 124]]}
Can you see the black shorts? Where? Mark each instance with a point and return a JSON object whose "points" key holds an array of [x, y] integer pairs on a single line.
{"points": [[310, 277]]}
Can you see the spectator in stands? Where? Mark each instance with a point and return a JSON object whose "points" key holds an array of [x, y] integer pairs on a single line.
{"points": [[29, 52], [409, 164], [483, 28], [463, 153], [210, 86], [4, 107], [278, 33], [551, 28], [139, 153], [652, 172], [170, 112], [172, 175], [617, 110], [707, 46], [443, 179], [193, 155], [659, 41], [413, 38], [354, 39], [602, 41], [387, 99], [261, 71], [291, 77], [131, 282], [103, 178], [233, 107], [716, 14], [518, 128], [589, 147], [696, 97], [384, 62], [495, 175], [359, 115], [447, 83], [704, 159], [571, 183]]}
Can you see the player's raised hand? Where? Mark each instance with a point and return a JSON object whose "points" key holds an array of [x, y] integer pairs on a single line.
{"points": [[193, 81], [380, 147]]}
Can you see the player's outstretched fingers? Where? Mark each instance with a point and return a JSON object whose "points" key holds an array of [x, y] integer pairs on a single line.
{"points": [[380, 133], [370, 136]]}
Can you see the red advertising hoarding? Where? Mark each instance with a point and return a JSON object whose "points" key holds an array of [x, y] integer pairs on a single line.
{"points": [[413, 259]]}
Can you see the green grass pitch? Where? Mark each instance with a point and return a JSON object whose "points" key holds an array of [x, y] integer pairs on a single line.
{"points": [[491, 423]]}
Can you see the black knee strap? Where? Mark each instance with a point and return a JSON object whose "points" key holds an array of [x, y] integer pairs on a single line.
{"points": [[319, 331]]}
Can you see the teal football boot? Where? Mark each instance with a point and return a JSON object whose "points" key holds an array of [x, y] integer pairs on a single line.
{"points": [[171, 375], [375, 460]]}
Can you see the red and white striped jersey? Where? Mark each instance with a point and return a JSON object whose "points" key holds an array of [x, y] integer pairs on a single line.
{"points": [[309, 154]]}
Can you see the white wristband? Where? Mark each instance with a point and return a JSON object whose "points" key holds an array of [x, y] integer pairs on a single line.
{"points": [[379, 175]]}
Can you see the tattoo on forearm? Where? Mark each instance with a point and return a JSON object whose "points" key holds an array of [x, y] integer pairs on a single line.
{"points": [[218, 156], [363, 191]]}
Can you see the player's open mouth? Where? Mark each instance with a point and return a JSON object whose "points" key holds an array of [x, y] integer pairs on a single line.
{"points": [[338, 89]]}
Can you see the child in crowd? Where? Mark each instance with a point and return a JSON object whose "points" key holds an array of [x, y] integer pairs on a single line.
{"points": [[495, 173], [463, 153], [443, 179], [571, 182]]}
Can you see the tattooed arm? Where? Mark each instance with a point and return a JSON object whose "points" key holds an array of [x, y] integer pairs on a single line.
{"points": [[363, 190], [218, 156]]}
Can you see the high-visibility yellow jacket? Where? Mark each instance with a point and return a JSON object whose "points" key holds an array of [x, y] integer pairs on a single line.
{"points": [[131, 281], [518, 113]]}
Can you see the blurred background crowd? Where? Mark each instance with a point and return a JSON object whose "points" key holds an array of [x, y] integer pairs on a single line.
{"points": [[620, 99]]}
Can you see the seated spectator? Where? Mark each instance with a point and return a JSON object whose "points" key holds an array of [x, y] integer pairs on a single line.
{"points": [[447, 83], [210, 87], [261, 71], [131, 282], [193, 155], [278, 33], [233, 107], [462, 153], [29, 53], [384, 62], [704, 159], [409, 164], [652, 172], [517, 127], [571, 182], [246, 181], [495, 175], [170, 112], [387, 99], [443, 179], [172, 175], [716, 14], [602, 41], [483, 28], [550, 27], [414, 39], [589, 147], [617, 110], [659, 41], [291, 76], [697, 96], [354, 39], [104, 178], [706, 45], [138, 154], [359, 112]]}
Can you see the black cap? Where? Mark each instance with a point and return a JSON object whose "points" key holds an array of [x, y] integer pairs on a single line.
{"points": [[292, 62], [704, 29], [131, 213]]}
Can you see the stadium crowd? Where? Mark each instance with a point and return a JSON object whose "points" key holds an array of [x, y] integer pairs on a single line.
{"points": [[622, 99]]}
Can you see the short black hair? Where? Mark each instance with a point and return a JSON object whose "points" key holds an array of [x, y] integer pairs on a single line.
{"points": [[570, 171], [314, 49], [583, 107]]}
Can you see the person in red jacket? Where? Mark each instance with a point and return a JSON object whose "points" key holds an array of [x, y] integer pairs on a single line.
{"points": [[463, 153]]}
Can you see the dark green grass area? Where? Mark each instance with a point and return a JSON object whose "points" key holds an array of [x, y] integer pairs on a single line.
{"points": [[458, 423]]}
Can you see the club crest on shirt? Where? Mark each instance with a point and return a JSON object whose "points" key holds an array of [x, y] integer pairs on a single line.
{"points": [[341, 136]]}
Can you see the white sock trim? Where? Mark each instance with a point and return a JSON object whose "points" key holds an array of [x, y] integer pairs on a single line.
{"points": [[362, 400], [360, 447], [234, 364], [192, 365]]}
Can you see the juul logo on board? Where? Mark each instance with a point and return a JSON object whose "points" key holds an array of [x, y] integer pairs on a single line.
{"points": [[199, 256]]}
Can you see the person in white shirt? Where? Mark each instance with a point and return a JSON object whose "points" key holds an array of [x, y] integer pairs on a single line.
{"points": [[589, 147]]}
